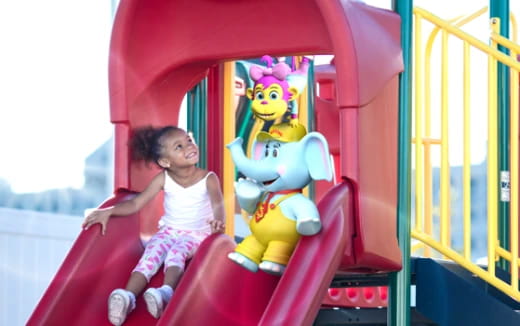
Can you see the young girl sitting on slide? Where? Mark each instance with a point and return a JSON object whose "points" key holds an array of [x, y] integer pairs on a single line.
{"points": [[193, 209]]}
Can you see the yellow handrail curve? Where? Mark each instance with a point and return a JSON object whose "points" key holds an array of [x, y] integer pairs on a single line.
{"points": [[427, 224], [423, 140], [427, 198]]}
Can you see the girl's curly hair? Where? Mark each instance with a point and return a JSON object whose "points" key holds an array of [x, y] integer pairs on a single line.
{"points": [[145, 143]]}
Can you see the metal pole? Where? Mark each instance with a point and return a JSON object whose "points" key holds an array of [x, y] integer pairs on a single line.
{"points": [[399, 299], [196, 120], [500, 9]]}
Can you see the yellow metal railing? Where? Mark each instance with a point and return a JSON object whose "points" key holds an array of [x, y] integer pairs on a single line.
{"points": [[423, 229]]}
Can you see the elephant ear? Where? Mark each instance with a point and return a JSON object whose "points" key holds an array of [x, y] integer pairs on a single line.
{"points": [[317, 156], [257, 150]]}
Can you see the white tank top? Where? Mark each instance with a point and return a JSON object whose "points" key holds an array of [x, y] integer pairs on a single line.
{"points": [[186, 208]]}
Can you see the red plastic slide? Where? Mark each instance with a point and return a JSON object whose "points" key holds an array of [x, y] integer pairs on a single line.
{"points": [[213, 291]]}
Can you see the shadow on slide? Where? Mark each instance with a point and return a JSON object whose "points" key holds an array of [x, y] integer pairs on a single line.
{"points": [[213, 290]]}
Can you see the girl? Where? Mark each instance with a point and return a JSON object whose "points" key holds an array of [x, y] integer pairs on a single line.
{"points": [[193, 209]]}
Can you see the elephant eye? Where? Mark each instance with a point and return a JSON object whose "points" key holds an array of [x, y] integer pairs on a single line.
{"points": [[275, 152], [266, 152]]}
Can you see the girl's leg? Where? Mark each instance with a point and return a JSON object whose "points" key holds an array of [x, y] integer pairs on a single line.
{"points": [[183, 248], [122, 301], [172, 275], [136, 283], [151, 260]]}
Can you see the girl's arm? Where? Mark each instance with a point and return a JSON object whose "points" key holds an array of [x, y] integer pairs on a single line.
{"points": [[127, 207], [217, 204]]}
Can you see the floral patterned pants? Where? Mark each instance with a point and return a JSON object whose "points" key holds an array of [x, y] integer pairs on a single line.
{"points": [[171, 247]]}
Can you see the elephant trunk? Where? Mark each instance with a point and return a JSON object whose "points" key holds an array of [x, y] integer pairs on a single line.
{"points": [[237, 152], [251, 168]]}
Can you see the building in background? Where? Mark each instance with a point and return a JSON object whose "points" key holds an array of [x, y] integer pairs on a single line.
{"points": [[478, 207], [98, 186]]}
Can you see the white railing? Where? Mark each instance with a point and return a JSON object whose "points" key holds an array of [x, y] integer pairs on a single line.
{"points": [[32, 247]]}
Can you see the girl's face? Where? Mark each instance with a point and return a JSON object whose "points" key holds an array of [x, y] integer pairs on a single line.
{"points": [[179, 150]]}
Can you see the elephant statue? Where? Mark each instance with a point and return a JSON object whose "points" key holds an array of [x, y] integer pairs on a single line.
{"points": [[284, 161]]}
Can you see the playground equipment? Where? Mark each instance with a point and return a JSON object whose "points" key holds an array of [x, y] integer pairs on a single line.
{"points": [[155, 60], [148, 79]]}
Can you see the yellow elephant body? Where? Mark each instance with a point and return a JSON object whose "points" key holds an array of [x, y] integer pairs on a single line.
{"points": [[273, 235]]}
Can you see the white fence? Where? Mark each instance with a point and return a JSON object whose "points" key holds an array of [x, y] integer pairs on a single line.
{"points": [[32, 247]]}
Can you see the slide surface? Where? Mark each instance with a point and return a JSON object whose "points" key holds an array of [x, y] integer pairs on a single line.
{"points": [[213, 290]]}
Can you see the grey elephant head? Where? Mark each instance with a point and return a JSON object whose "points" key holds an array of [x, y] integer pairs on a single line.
{"points": [[284, 158]]}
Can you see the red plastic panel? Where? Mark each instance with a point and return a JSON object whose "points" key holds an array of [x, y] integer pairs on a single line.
{"points": [[160, 49], [366, 139], [375, 35], [363, 297], [376, 179]]}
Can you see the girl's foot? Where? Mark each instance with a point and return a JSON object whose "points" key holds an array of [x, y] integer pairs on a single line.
{"points": [[120, 304], [156, 300]]}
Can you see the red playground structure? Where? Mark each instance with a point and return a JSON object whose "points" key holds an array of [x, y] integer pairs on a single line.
{"points": [[159, 51]]}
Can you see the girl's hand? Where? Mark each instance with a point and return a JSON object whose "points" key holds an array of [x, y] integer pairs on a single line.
{"points": [[217, 226], [100, 216]]}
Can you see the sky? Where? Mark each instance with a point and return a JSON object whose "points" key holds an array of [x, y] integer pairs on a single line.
{"points": [[54, 109], [54, 90]]}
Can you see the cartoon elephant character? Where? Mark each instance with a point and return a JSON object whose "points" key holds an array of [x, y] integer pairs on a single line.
{"points": [[284, 160]]}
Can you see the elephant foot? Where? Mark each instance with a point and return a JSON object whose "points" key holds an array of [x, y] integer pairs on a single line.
{"points": [[308, 227], [243, 261], [272, 268]]}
